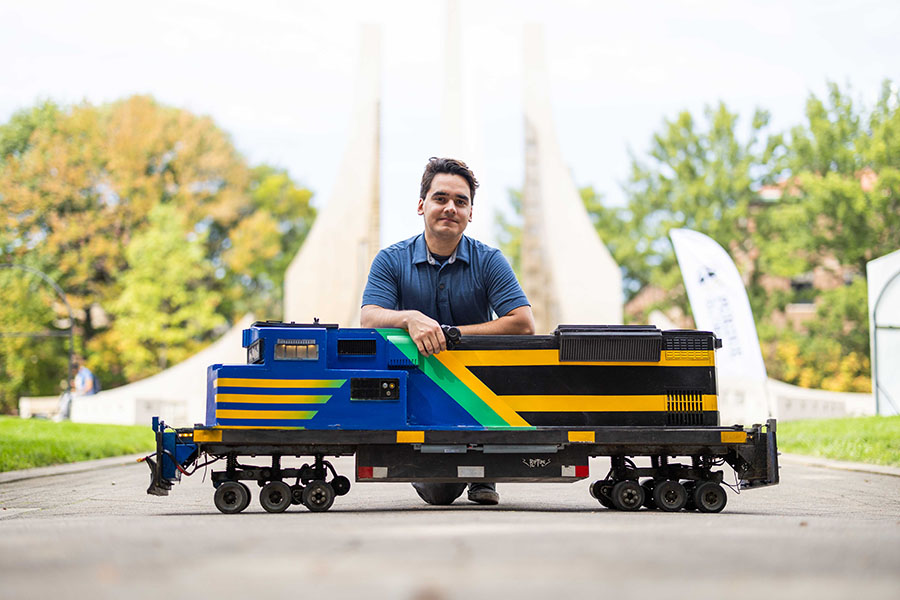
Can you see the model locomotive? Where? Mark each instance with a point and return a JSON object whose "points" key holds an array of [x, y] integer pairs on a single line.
{"points": [[490, 408]]}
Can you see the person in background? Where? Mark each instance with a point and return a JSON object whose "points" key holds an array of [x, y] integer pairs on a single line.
{"points": [[83, 383]]}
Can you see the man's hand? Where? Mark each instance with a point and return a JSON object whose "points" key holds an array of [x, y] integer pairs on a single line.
{"points": [[426, 333]]}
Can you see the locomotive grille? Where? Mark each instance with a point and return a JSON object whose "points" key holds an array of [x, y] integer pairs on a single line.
{"points": [[609, 348], [684, 407], [356, 347], [688, 347], [372, 388]]}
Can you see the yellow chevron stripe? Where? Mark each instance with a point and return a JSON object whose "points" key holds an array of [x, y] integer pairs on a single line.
{"points": [[595, 403], [265, 414], [272, 399], [450, 360], [279, 383], [526, 358]]}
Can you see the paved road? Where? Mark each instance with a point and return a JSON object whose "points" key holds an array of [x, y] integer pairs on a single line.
{"points": [[822, 533]]}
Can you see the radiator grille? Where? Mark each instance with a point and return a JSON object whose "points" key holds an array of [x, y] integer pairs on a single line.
{"points": [[609, 348], [687, 343], [356, 347], [684, 407]]}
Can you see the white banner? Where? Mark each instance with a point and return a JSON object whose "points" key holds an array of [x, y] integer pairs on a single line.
{"points": [[720, 304], [883, 277]]}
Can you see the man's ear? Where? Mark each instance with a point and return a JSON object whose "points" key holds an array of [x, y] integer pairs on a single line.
{"points": [[471, 208], [420, 210]]}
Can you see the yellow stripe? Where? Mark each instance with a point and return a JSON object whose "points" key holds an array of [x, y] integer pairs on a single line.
{"points": [[279, 383], [257, 427], [410, 437], [595, 403], [207, 435], [734, 437], [452, 362], [581, 436], [265, 414], [271, 399], [526, 358]]}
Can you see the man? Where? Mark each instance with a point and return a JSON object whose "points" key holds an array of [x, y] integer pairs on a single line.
{"points": [[83, 383], [443, 277]]}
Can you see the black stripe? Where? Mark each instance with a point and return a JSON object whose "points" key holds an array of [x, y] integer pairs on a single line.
{"points": [[600, 419], [590, 380]]}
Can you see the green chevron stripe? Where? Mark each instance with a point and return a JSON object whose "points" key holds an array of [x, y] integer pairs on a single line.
{"points": [[446, 380]]}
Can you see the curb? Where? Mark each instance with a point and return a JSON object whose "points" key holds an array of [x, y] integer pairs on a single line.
{"points": [[77, 467], [827, 463]]}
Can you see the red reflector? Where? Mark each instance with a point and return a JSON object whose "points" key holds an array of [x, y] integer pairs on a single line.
{"points": [[364, 472], [582, 471]]}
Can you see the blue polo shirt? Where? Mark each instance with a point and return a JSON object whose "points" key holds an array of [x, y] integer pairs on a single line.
{"points": [[475, 280]]}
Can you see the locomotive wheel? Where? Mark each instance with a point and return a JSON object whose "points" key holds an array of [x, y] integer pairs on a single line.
{"points": [[601, 490], [669, 495], [297, 494], [627, 495], [318, 496], [231, 497], [275, 496], [341, 485], [649, 501], [710, 497]]}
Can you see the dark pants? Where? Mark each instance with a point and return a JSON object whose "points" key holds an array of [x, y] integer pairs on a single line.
{"points": [[441, 494]]}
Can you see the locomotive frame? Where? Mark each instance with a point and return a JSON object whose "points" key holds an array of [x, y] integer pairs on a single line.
{"points": [[466, 415]]}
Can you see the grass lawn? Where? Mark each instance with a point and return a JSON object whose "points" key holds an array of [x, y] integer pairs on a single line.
{"points": [[861, 439], [26, 443]]}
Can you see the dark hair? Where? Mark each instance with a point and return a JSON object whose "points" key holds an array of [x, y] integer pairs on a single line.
{"points": [[447, 165]]}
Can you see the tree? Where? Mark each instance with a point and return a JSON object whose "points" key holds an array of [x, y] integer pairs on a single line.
{"points": [[78, 186]]}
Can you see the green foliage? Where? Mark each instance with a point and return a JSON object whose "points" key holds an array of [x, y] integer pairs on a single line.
{"points": [[861, 439], [27, 443], [509, 231], [100, 197], [838, 175]]}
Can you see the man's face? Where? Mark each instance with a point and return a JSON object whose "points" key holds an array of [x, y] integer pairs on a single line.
{"points": [[447, 207]]}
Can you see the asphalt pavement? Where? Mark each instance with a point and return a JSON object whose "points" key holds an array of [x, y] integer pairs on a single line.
{"points": [[75, 533]]}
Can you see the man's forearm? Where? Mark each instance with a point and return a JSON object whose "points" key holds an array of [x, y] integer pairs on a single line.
{"points": [[519, 321], [376, 316]]}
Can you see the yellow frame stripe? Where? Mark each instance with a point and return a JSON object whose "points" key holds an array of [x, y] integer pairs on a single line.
{"points": [[265, 414], [734, 437], [498, 405], [207, 435], [410, 437], [528, 358], [595, 403], [272, 399], [581, 436], [279, 383]]}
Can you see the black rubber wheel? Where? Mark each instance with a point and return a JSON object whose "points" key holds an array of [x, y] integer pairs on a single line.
{"points": [[318, 496], [627, 495], [297, 494], [601, 490], [710, 497], [275, 496], [341, 485], [669, 496], [231, 497], [648, 486]]}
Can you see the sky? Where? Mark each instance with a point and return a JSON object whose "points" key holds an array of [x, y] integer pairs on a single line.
{"points": [[279, 75]]}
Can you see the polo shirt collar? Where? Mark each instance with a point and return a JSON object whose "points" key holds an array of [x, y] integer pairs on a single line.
{"points": [[422, 254]]}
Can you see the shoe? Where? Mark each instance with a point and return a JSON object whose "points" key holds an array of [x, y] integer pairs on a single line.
{"points": [[483, 493]]}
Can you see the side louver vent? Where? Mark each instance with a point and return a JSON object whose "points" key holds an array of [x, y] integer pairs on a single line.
{"points": [[356, 347], [687, 343], [684, 408], [612, 344]]}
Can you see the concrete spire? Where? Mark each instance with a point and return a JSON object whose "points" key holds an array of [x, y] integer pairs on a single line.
{"points": [[568, 274], [327, 277]]}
